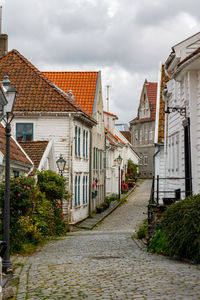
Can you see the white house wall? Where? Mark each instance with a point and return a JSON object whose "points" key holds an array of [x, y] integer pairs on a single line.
{"points": [[61, 131], [98, 142]]}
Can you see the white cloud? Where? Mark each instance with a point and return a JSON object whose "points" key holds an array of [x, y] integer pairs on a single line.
{"points": [[125, 39]]}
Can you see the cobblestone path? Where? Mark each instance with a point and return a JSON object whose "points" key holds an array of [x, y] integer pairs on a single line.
{"points": [[106, 264]]}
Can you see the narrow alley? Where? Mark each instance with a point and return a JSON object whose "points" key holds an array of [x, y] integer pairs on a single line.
{"points": [[106, 263]]}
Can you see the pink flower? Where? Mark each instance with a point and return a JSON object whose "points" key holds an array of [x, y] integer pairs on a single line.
{"points": [[25, 186], [28, 188], [19, 195]]}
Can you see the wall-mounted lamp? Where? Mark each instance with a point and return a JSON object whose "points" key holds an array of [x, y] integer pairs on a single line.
{"points": [[180, 110]]}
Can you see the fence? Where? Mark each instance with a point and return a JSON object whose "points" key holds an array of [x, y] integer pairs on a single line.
{"points": [[169, 196]]}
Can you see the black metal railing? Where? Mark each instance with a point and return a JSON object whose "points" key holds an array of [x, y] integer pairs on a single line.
{"points": [[177, 193]]}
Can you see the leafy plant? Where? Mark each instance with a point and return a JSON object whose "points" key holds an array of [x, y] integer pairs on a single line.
{"points": [[142, 231], [179, 230]]}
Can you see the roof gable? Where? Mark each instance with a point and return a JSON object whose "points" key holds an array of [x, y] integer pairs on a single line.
{"points": [[35, 91], [83, 86], [35, 150]]}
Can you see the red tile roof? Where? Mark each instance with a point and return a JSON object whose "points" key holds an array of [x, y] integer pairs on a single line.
{"points": [[35, 91], [112, 115], [82, 84], [35, 150], [152, 95], [127, 135], [15, 152]]}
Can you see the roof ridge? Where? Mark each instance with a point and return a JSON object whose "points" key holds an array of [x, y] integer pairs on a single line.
{"points": [[48, 81], [80, 71]]}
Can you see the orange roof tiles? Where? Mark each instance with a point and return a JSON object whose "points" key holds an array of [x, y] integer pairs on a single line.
{"points": [[152, 95], [35, 91], [35, 150], [15, 151], [82, 84]]}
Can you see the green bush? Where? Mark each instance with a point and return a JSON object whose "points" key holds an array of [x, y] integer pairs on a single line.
{"points": [[179, 232], [35, 210], [53, 185], [142, 231], [21, 189]]}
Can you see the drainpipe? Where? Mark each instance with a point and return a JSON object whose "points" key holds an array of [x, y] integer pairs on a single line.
{"points": [[90, 172], [154, 157]]}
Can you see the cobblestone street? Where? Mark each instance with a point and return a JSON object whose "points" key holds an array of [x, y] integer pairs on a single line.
{"points": [[106, 263]]}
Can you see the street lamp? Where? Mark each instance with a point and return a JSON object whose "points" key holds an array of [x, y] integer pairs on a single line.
{"points": [[119, 161], [61, 164], [11, 96]]}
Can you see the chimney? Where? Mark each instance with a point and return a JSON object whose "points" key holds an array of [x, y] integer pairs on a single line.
{"points": [[3, 38]]}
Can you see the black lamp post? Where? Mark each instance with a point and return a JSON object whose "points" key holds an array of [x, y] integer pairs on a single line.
{"points": [[11, 95], [119, 161], [61, 164]]}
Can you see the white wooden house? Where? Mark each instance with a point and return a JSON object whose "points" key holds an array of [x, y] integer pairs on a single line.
{"points": [[116, 144], [180, 151], [45, 113], [86, 90]]}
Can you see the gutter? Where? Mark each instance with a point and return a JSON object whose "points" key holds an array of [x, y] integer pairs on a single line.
{"points": [[154, 157]]}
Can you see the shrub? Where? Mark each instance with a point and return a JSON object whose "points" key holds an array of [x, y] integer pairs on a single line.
{"points": [[142, 231], [53, 185], [179, 232], [21, 189]]}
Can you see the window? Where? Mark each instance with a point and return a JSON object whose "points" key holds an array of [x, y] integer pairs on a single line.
{"points": [[97, 158], [24, 132], [151, 134], [75, 140], [83, 142], [86, 189], [100, 163], [141, 132], [79, 181], [79, 141], [146, 134], [86, 145], [16, 173], [94, 161], [83, 189], [140, 154], [136, 135], [75, 191], [145, 159]]}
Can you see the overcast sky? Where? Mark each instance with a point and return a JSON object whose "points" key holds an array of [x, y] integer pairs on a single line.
{"points": [[125, 39]]}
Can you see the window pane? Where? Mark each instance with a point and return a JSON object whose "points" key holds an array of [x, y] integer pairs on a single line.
{"points": [[20, 127], [29, 128], [28, 137], [19, 137]]}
